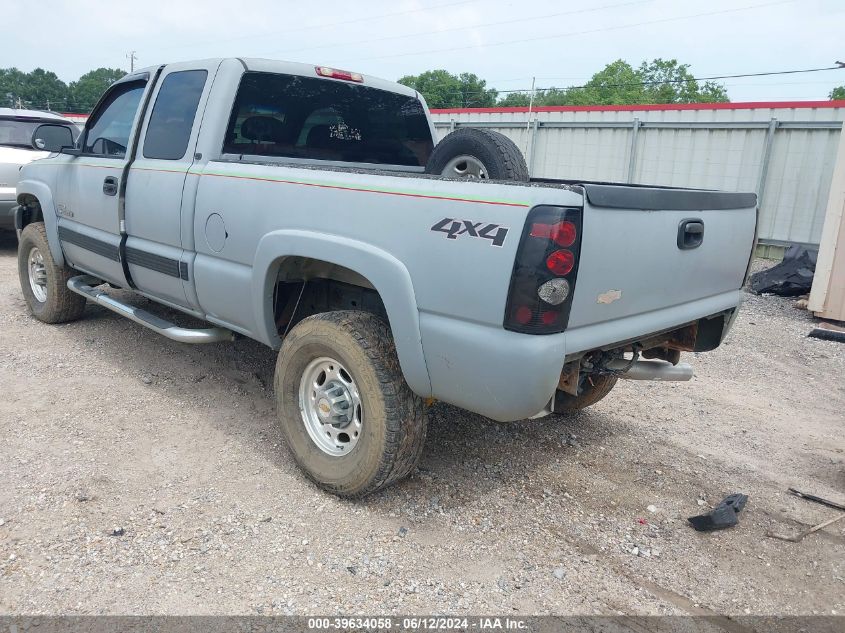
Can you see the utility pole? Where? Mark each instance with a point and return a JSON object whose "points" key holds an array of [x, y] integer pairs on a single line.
{"points": [[131, 56], [528, 118]]}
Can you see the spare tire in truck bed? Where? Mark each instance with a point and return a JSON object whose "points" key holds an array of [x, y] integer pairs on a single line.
{"points": [[477, 153]]}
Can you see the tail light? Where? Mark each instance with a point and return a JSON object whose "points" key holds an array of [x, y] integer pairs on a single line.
{"points": [[334, 73], [543, 279]]}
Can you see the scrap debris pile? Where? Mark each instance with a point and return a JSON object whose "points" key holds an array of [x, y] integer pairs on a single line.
{"points": [[793, 277]]}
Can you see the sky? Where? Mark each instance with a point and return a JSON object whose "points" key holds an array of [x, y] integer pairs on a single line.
{"points": [[506, 42]]}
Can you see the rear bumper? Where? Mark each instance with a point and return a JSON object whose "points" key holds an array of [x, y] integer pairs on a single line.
{"points": [[589, 337], [510, 376]]}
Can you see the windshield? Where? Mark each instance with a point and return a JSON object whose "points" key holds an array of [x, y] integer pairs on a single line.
{"points": [[18, 132]]}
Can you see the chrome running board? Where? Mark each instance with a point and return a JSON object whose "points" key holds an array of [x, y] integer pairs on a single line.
{"points": [[85, 285]]}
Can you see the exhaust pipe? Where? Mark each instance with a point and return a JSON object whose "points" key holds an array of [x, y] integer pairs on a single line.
{"points": [[651, 370]]}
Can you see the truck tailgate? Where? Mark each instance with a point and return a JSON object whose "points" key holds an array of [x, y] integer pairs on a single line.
{"points": [[640, 250]]}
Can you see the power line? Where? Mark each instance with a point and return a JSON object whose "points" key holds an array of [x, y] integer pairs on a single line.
{"points": [[734, 76], [324, 25], [461, 28], [575, 33], [659, 81], [632, 84], [780, 83], [838, 66], [668, 81]]}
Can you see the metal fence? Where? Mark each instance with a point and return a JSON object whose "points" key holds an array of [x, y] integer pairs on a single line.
{"points": [[784, 152]]}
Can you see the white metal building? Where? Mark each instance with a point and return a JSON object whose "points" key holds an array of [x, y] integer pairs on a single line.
{"points": [[784, 151]]}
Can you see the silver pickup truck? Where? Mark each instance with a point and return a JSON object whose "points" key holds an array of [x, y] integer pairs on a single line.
{"points": [[295, 205]]}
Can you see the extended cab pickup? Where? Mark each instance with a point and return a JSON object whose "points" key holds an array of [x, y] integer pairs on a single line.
{"points": [[290, 204]]}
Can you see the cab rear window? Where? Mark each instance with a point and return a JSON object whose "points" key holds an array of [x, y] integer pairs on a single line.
{"points": [[323, 119]]}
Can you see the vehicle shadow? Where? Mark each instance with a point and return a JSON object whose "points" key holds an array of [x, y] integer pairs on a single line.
{"points": [[466, 456], [8, 242]]}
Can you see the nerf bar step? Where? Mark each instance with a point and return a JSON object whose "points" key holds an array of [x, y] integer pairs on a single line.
{"points": [[85, 286]]}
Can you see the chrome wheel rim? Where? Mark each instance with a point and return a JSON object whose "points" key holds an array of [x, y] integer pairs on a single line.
{"points": [[37, 275], [465, 166], [330, 406]]}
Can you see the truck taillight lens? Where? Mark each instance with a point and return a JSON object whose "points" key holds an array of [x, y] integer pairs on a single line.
{"points": [[561, 233], [554, 291], [544, 272], [560, 262]]}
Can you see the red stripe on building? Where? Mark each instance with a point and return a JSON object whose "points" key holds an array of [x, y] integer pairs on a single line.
{"points": [[744, 105]]}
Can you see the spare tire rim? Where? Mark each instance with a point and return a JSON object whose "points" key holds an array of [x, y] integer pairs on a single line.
{"points": [[330, 406], [465, 166], [37, 275]]}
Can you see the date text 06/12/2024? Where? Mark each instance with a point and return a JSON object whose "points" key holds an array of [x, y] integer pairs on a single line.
{"points": [[427, 623]]}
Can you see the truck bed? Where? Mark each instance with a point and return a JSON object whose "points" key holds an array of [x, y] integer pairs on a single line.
{"points": [[633, 280]]}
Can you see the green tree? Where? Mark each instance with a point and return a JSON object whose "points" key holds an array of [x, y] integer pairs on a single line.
{"points": [[442, 89], [439, 88], [475, 93], [838, 93], [12, 83], [619, 83], [37, 89], [667, 81], [44, 90], [553, 96], [84, 93], [549, 96], [514, 99], [616, 84]]}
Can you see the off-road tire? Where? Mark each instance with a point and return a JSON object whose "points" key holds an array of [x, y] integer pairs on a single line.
{"points": [[595, 388], [61, 305], [499, 155], [394, 419]]}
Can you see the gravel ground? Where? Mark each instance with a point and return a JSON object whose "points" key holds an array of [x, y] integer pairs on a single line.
{"points": [[142, 476]]}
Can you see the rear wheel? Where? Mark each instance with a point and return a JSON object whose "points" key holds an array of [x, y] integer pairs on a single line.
{"points": [[351, 422], [594, 389], [477, 154], [43, 282]]}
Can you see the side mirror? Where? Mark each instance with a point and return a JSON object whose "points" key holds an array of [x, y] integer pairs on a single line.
{"points": [[52, 138]]}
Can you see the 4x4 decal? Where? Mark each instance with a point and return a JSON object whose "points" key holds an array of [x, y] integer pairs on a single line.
{"points": [[453, 228]]}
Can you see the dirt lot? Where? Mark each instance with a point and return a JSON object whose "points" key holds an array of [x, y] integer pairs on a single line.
{"points": [[107, 426]]}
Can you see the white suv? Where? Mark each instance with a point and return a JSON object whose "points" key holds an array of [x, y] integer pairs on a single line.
{"points": [[17, 149]]}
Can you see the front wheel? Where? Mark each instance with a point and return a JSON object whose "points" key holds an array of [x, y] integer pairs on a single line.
{"points": [[351, 422], [43, 282]]}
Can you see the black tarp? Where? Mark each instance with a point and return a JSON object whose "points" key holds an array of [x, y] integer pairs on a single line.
{"points": [[792, 277]]}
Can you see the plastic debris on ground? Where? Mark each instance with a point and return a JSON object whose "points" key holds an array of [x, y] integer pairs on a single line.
{"points": [[722, 516], [828, 332], [793, 277]]}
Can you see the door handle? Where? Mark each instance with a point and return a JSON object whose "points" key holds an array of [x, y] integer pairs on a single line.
{"points": [[690, 234], [110, 186]]}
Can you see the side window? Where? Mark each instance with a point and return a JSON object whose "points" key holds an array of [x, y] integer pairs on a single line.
{"points": [[173, 115], [108, 133]]}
